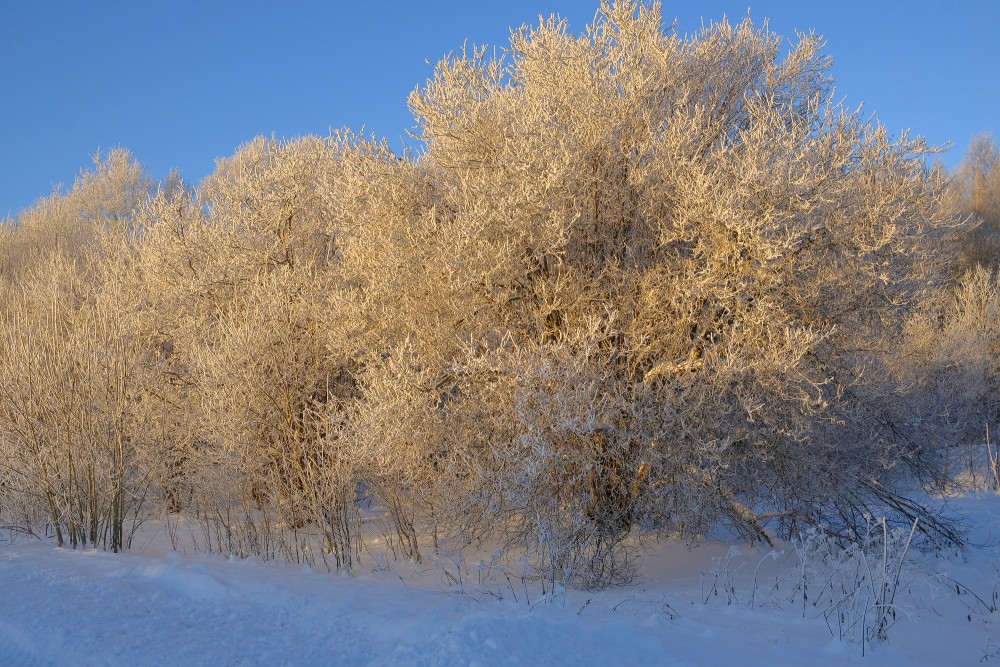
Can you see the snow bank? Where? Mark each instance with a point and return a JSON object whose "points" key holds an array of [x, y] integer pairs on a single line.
{"points": [[64, 607]]}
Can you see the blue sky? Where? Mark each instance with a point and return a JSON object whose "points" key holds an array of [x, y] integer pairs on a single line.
{"points": [[182, 83]]}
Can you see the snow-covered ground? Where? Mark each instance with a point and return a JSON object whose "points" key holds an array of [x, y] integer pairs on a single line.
{"points": [[687, 607]]}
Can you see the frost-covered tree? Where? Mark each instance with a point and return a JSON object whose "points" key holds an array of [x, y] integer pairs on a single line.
{"points": [[104, 199], [75, 364], [651, 283]]}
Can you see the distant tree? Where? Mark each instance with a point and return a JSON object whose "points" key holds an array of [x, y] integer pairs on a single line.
{"points": [[952, 357], [975, 191]]}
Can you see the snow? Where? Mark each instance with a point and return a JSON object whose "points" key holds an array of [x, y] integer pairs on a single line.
{"points": [[687, 607]]}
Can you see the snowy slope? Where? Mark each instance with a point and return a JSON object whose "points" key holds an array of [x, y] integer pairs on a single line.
{"points": [[64, 607]]}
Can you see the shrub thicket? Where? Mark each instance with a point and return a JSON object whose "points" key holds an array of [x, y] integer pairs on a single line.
{"points": [[632, 281]]}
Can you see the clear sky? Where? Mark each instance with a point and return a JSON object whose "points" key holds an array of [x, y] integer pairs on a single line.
{"points": [[182, 83]]}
